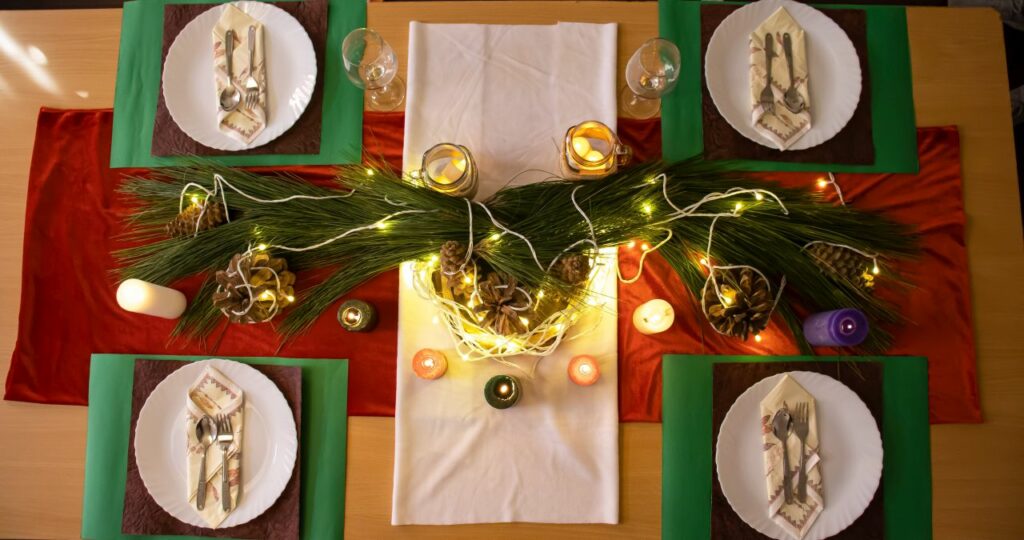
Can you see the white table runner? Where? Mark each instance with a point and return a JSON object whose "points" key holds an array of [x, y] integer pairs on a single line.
{"points": [[508, 93]]}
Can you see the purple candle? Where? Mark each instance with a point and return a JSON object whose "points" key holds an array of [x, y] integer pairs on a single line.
{"points": [[839, 328]]}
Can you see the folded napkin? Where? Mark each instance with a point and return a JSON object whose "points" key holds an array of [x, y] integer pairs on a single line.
{"points": [[243, 123], [795, 518], [214, 394], [782, 126]]}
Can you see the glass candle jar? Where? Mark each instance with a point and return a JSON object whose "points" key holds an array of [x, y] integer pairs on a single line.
{"points": [[591, 150], [357, 316], [502, 391], [449, 169]]}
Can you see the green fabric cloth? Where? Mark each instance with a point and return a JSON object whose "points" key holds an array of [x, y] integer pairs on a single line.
{"points": [[687, 453], [138, 85], [322, 445], [892, 95]]}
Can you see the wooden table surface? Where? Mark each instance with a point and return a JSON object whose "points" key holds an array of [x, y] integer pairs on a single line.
{"points": [[68, 59]]}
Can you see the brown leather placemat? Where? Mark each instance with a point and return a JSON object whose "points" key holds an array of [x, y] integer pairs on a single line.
{"points": [[732, 379], [853, 145], [142, 515], [301, 138]]}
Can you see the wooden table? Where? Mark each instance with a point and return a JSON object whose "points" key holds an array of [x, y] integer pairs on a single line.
{"points": [[959, 78]]}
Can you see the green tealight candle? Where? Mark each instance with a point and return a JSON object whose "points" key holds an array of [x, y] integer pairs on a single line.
{"points": [[502, 391], [357, 316]]}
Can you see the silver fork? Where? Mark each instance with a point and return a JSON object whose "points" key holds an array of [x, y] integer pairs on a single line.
{"points": [[224, 439], [767, 99], [252, 88], [801, 427]]}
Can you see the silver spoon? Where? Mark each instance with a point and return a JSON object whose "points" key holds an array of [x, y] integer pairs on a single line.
{"points": [[792, 98], [229, 96], [780, 428], [206, 432]]}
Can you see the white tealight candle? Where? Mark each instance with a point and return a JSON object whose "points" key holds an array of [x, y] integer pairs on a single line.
{"points": [[654, 316], [147, 298]]}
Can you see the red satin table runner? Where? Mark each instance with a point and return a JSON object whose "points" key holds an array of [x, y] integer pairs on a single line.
{"points": [[74, 215]]}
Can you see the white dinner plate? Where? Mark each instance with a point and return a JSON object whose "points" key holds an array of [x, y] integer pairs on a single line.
{"points": [[834, 80], [850, 451], [269, 442], [190, 89]]}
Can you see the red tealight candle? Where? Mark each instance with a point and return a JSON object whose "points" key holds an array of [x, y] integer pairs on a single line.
{"points": [[583, 370], [429, 364]]}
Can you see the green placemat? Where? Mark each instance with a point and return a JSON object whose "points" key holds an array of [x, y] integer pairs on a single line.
{"points": [[138, 86], [687, 453], [892, 96], [323, 443]]}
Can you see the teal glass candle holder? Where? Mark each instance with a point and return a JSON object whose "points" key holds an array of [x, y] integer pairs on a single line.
{"points": [[502, 391]]}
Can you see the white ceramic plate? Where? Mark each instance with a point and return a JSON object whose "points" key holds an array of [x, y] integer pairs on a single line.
{"points": [[834, 82], [269, 446], [851, 455], [190, 90]]}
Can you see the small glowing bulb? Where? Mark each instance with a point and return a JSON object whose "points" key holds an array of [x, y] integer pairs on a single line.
{"points": [[433, 260], [645, 246], [875, 270], [757, 338], [631, 244], [262, 247], [525, 321], [758, 196], [468, 280], [428, 363], [503, 389], [728, 296], [647, 208], [822, 183], [652, 180], [195, 199], [739, 206], [290, 298], [266, 295], [495, 237], [540, 294], [370, 172], [703, 261], [585, 369], [381, 225]]}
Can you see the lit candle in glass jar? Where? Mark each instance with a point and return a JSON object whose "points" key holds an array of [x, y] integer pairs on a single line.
{"points": [[429, 364], [502, 391], [591, 150], [357, 316], [654, 316], [583, 370], [147, 298], [449, 169]]}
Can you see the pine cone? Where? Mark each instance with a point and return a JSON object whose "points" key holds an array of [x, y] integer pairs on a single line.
{"points": [[844, 264], [572, 269], [747, 306], [249, 292], [453, 257], [499, 301], [185, 223]]}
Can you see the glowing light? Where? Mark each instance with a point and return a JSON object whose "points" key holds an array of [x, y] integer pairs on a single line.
{"points": [[525, 321], [429, 363], [875, 270], [382, 225], [195, 199], [433, 260], [651, 180], [757, 338], [822, 183], [435, 320], [262, 247], [495, 237], [594, 155], [738, 207], [540, 294], [266, 295], [370, 172], [703, 261], [647, 208], [468, 279], [728, 296], [503, 389], [631, 244], [585, 369], [645, 246], [758, 196], [581, 146], [290, 298]]}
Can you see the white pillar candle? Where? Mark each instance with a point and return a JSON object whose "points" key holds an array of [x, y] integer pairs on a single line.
{"points": [[654, 316], [147, 298]]}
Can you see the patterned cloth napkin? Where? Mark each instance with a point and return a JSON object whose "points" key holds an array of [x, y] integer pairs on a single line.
{"points": [[782, 126], [213, 394], [243, 123], [795, 518]]}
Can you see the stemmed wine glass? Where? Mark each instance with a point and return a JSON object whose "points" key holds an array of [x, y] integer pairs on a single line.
{"points": [[370, 64], [651, 72]]}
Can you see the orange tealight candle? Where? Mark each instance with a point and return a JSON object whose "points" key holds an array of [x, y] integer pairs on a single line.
{"points": [[429, 364], [583, 370]]}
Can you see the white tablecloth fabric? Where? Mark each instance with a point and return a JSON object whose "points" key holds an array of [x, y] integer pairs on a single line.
{"points": [[508, 93]]}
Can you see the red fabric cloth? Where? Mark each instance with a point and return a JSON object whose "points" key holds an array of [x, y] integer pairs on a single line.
{"points": [[68, 309]]}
